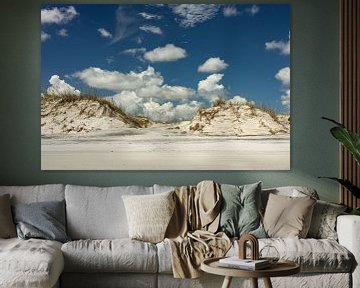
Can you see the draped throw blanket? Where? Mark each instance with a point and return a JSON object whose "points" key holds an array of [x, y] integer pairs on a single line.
{"points": [[191, 231]]}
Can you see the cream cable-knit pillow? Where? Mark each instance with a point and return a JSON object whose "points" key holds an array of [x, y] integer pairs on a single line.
{"points": [[149, 215]]}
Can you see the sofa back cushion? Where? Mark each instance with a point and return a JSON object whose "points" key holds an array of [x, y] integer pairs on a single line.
{"points": [[98, 212], [36, 193]]}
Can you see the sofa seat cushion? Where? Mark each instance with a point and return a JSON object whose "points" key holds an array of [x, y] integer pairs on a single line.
{"points": [[30, 263], [115, 255], [313, 255]]}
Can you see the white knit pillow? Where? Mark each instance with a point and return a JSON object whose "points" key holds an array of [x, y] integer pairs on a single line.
{"points": [[149, 215]]}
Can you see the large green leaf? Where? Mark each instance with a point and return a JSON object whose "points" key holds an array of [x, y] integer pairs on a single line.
{"points": [[347, 184], [348, 138]]}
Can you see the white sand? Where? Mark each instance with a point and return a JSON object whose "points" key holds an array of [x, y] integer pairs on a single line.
{"points": [[158, 149]]}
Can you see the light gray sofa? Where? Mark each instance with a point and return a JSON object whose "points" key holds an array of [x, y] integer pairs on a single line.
{"points": [[101, 255]]}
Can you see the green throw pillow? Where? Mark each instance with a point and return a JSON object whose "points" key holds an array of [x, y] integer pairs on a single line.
{"points": [[240, 213]]}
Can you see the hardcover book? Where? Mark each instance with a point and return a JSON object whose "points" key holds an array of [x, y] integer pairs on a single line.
{"points": [[236, 262]]}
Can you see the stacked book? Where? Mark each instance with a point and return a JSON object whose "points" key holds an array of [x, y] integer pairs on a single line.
{"points": [[248, 264]]}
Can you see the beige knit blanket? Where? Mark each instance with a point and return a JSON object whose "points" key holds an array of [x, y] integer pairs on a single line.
{"points": [[191, 231]]}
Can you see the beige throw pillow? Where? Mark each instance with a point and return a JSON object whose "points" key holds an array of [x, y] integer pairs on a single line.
{"points": [[148, 215], [7, 226], [288, 217]]}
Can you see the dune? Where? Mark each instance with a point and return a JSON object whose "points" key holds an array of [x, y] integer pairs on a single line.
{"points": [[81, 114], [231, 119]]}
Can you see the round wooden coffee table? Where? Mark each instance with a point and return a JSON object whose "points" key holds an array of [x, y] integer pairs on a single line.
{"points": [[281, 268]]}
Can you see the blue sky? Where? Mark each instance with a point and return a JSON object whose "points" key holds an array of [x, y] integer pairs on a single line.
{"points": [[166, 61]]}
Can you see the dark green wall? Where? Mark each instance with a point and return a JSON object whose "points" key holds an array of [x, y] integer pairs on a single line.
{"points": [[314, 92]]}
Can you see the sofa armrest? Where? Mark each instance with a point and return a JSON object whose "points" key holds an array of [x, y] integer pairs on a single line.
{"points": [[348, 230]]}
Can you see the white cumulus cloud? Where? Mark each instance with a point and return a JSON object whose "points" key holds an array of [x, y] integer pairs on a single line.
{"points": [[213, 65], [58, 15], [283, 47], [165, 54], [238, 100], [60, 87], [144, 93], [210, 87], [155, 111], [151, 29], [192, 14], [230, 11], [45, 36], [149, 16], [104, 33], [285, 99], [117, 81], [129, 102], [283, 75], [168, 112], [63, 33], [166, 92]]}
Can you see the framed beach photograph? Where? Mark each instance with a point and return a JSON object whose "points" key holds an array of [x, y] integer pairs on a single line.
{"points": [[165, 87]]}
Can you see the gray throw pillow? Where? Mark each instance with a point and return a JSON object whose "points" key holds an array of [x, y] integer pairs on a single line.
{"points": [[7, 227], [323, 222], [43, 220], [240, 213]]}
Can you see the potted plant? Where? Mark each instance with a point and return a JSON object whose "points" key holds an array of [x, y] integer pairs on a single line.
{"points": [[351, 141]]}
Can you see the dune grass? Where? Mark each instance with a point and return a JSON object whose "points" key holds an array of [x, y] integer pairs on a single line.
{"points": [[71, 98]]}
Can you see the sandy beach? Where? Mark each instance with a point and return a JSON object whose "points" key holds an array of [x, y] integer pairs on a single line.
{"points": [[163, 149]]}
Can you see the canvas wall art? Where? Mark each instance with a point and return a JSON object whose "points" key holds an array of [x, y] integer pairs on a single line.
{"points": [[165, 87]]}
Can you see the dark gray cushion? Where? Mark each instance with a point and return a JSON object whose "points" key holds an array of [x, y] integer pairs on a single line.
{"points": [[240, 213], [43, 220]]}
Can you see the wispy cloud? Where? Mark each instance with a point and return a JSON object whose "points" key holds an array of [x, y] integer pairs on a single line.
{"points": [[282, 46], [254, 9], [125, 24], [104, 33], [213, 65], [134, 51], [151, 29], [57, 15], [45, 36], [149, 16], [63, 33], [230, 11], [192, 14], [110, 59], [167, 53]]}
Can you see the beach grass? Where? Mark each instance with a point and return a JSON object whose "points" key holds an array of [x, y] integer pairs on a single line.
{"points": [[71, 98]]}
